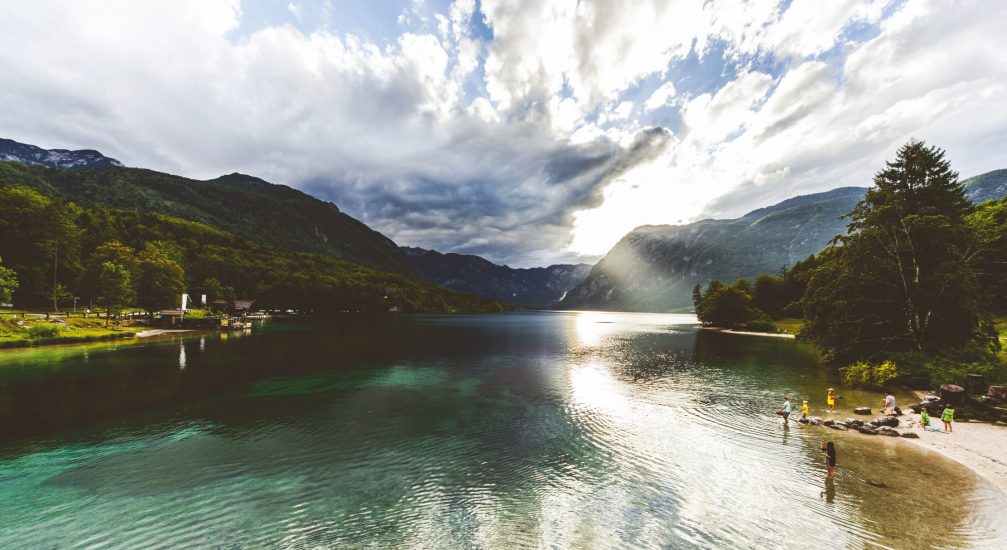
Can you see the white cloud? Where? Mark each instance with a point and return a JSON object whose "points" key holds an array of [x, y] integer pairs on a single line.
{"points": [[532, 146], [932, 73]]}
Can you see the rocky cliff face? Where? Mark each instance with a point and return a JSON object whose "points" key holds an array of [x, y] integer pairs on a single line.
{"points": [[53, 158], [540, 286]]}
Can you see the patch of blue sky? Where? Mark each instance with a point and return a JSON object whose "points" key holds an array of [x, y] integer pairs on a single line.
{"points": [[376, 22], [475, 84]]}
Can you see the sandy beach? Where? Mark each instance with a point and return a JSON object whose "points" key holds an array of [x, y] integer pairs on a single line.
{"points": [[980, 446], [750, 333], [159, 332]]}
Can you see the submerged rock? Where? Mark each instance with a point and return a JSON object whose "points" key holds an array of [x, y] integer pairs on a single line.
{"points": [[830, 422], [839, 427], [867, 430], [853, 423], [815, 421], [803, 420], [910, 435], [862, 410]]}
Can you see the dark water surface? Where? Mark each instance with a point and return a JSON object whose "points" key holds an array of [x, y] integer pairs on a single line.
{"points": [[526, 430]]}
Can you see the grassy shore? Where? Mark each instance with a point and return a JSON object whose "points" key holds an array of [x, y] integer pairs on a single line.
{"points": [[789, 325], [18, 332]]}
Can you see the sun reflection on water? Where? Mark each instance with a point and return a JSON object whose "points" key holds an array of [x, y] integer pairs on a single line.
{"points": [[593, 326]]}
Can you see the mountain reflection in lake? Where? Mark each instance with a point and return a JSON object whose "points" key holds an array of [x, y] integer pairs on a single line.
{"points": [[597, 430]]}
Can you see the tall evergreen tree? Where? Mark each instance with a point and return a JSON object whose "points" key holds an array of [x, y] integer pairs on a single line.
{"points": [[900, 279]]}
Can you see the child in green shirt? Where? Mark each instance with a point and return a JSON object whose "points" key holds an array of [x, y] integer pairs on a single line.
{"points": [[924, 418], [948, 416]]}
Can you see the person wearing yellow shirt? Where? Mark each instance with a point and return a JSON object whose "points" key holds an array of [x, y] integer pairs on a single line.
{"points": [[804, 410], [831, 398]]}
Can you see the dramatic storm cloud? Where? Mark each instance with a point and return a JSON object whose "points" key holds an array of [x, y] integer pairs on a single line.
{"points": [[526, 131]]}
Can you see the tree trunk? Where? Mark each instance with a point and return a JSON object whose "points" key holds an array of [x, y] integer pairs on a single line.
{"points": [[952, 394], [974, 384]]}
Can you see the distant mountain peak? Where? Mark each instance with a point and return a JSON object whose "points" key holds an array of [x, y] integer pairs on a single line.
{"points": [[63, 159], [991, 185], [536, 286]]}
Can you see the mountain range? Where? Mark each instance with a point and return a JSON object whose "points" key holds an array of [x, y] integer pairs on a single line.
{"points": [[652, 268], [272, 214], [539, 286], [244, 205], [53, 158]]}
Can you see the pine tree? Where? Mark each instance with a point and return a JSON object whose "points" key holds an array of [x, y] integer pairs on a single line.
{"points": [[900, 279]]}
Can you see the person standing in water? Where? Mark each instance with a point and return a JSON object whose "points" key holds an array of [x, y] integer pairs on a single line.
{"points": [[829, 448], [786, 410], [948, 416], [804, 410], [831, 398]]}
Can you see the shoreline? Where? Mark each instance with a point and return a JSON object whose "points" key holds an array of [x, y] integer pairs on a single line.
{"points": [[161, 332], [974, 444], [124, 336], [750, 333]]}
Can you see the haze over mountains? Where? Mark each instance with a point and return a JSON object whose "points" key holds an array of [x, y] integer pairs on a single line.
{"points": [[277, 215], [653, 268], [539, 286]]}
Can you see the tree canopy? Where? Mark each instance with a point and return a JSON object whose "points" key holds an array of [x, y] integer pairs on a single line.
{"points": [[901, 279], [35, 224], [8, 283]]}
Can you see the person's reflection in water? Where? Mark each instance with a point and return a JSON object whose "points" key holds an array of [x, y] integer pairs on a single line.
{"points": [[786, 433], [829, 494]]}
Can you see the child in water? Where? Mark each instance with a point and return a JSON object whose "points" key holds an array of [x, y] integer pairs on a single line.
{"points": [[831, 397], [785, 411], [948, 416], [804, 410], [829, 448]]}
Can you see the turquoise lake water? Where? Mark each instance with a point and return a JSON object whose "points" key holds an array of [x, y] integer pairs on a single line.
{"points": [[523, 430]]}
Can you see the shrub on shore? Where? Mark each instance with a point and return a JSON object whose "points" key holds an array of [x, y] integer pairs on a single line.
{"points": [[863, 374], [44, 330]]}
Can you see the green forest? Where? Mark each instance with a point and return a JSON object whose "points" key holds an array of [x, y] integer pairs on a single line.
{"points": [[56, 246], [909, 293]]}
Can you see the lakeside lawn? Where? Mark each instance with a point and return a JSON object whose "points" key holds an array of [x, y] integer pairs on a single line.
{"points": [[789, 325], [34, 330]]}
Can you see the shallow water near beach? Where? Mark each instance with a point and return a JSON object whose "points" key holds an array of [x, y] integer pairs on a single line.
{"points": [[524, 430]]}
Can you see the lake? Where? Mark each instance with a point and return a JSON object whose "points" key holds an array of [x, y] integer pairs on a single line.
{"points": [[522, 430]]}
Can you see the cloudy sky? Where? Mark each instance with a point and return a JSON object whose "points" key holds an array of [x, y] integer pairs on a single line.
{"points": [[527, 131]]}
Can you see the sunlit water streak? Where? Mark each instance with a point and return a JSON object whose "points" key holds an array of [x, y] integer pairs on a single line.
{"points": [[527, 430]]}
